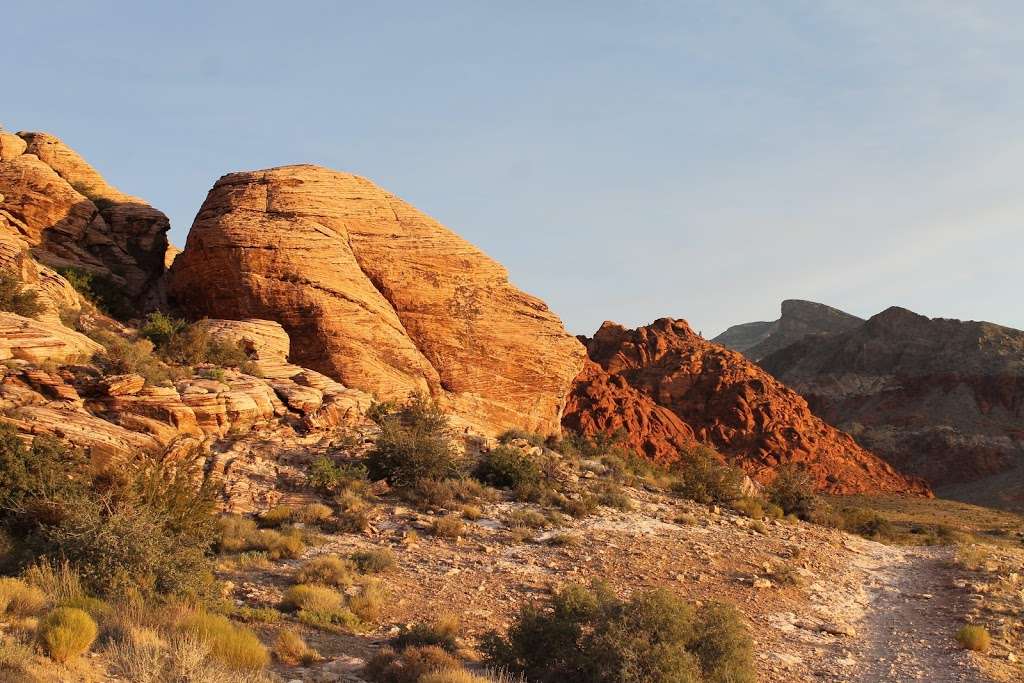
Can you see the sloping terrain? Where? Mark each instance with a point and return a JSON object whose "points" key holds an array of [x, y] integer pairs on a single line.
{"points": [[799, 319]]}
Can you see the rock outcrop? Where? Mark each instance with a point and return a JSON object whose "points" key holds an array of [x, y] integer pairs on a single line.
{"points": [[799, 319], [730, 403], [938, 398], [70, 216], [377, 296]]}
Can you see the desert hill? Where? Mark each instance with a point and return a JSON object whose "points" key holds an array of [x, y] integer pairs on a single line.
{"points": [[799, 319]]}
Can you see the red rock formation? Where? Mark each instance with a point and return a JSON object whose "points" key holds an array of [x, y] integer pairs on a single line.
{"points": [[376, 295], [730, 403]]}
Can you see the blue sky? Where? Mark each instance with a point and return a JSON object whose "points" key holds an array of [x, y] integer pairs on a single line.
{"points": [[625, 161]]}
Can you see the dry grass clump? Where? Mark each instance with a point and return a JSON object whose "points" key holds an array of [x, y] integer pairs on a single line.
{"points": [[291, 649], [565, 540], [374, 560], [313, 513], [974, 638], [354, 512], [785, 574], [368, 603], [20, 599], [312, 598], [450, 527], [276, 516], [972, 557], [328, 570], [452, 676], [581, 507], [59, 581], [234, 646], [611, 494], [143, 656], [471, 512], [408, 666], [527, 518], [442, 632], [66, 633]]}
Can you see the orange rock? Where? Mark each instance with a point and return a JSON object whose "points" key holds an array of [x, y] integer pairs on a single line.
{"points": [[730, 403], [376, 295]]}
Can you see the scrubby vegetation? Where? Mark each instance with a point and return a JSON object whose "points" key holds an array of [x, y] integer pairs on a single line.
{"points": [[588, 635], [793, 491], [975, 638], [14, 298], [180, 343], [67, 632], [442, 632], [703, 477], [414, 446], [101, 290], [508, 467], [410, 665]]}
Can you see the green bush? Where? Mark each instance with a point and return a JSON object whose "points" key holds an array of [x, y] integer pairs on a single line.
{"points": [[121, 356], [531, 438], [103, 291], [793, 491], [414, 445], [14, 298], [704, 478], [329, 475], [160, 328], [508, 467], [589, 636], [66, 633], [408, 666]]}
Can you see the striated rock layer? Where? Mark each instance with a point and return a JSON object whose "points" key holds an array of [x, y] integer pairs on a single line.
{"points": [[941, 399], [799, 319], [726, 401], [70, 216], [376, 295]]}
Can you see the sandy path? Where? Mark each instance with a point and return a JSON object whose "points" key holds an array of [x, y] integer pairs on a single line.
{"points": [[911, 618]]}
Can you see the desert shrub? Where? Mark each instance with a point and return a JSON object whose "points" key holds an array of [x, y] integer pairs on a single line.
{"points": [[750, 507], [793, 491], [597, 447], [368, 604], [185, 344], [527, 518], [312, 598], [16, 660], [66, 633], [578, 508], [14, 298], [972, 557], [442, 632], [236, 533], [374, 560], [148, 527], [235, 646], [532, 438], [59, 581], [565, 540], [471, 512], [276, 516], [448, 527], [313, 513], [974, 638], [867, 523], [785, 574], [409, 666], [122, 356], [588, 635], [291, 649], [160, 328], [329, 475], [702, 477], [453, 676], [612, 495], [414, 445], [328, 570], [508, 467], [19, 598], [104, 292]]}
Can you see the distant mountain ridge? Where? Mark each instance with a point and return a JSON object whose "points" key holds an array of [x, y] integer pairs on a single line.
{"points": [[939, 398], [799, 319]]}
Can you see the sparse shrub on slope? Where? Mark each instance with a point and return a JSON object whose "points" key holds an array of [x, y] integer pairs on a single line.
{"points": [[793, 491], [508, 467], [408, 666], [415, 445], [14, 298], [704, 478], [442, 632], [589, 636]]}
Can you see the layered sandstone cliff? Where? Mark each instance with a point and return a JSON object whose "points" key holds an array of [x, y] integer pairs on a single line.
{"points": [[942, 399], [376, 295], [70, 216], [726, 401]]}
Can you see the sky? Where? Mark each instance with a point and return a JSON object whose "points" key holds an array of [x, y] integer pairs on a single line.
{"points": [[624, 161]]}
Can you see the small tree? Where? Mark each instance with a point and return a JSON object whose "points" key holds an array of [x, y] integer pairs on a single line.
{"points": [[703, 477], [793, 491], [415, 445]]}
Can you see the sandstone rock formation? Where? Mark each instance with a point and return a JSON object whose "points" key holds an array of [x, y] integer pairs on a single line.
{"points": [[376, 295], [730, 403], [941, 399], [70, 216], [799, 319]]}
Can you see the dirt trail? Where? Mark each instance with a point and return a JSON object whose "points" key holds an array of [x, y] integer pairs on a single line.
{"points": [[913, 612]]}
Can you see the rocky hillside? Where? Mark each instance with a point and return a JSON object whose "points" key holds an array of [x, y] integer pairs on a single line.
{"points": [[69, 216], [799, 319], [941, 399], [719, 397], [377, 295]]}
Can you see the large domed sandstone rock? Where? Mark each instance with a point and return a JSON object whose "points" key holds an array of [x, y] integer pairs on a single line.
{"points": [[376, 295], [741, 410], [70, 216], [942, 399]]}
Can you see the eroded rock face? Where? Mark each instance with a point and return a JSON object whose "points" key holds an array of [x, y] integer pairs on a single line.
{"points": [[799, 319], [942, 399], [70, 216], [730, 403], [377, 296]]}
